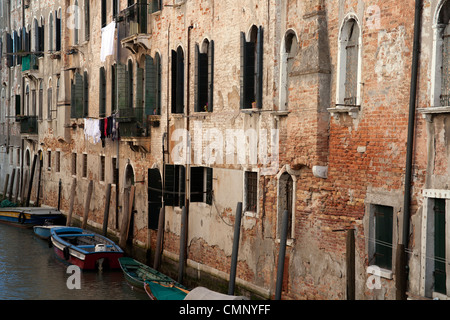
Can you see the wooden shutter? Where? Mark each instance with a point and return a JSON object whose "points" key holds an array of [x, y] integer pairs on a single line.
{"points": [[259, 68], [150, 85], [383, 235], [439, 246], [211, 77], [181, 185], [196, 76], [121, 75], [169, 184], [85, 95], [158, 83], [154, 198], [139, 94], [77, 97], [243, 70], [102, 90], [209, 186]]}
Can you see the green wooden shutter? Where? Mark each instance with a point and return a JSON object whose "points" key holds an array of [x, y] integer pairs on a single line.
{"points": [[259, 68], [196, 54], [209, 186], [149, 86], [85, 95], [439, 246], [102, 98], [211, 77], [77, 97], [139, 109], [383, 236], [169, 184], [121, 88], [243, 70], [158, 83]]}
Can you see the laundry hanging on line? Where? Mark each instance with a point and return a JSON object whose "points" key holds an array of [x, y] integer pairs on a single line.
{"points": [[107, 41]]}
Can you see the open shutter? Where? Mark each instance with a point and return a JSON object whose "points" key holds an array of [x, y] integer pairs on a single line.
{"points": [[209, 186], [85, 95], [196, 76], [243, 70], [211, 77], [102, 97], [150, 84], [158, 83]]}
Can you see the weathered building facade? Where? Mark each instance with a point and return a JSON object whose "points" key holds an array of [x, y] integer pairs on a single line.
{"points": [[297, 106]]}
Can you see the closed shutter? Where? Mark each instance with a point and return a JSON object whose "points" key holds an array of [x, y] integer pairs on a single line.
{"points": [[77, 97], [383, 236], [150, 85], [169, 184], [439, 246], [121, 75], [139, 94], [158, 83], [243, 70]]}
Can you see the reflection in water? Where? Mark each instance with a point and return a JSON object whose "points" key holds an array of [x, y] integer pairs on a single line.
{"points": [[29, 270]]}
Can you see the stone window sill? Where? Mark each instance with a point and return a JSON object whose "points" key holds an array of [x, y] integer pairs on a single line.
{"points": [[428, 113], [377, 271], [350, 110]]}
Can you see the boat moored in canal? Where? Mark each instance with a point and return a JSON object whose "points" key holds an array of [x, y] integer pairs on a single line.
{"points": [[31, 216], [85, 249], [152, 281], [44, 232]]}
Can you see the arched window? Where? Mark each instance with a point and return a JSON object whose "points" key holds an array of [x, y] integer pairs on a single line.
{"points": [[50, 32], [441, 83], [204, 76], [178, 80], [76, 22], [289, 49], [349, 75], [49, 100]]}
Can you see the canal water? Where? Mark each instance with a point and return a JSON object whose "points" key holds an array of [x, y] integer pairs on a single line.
{"points": [[29, 270]]}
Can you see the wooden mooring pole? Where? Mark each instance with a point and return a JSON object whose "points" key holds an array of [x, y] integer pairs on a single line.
{"points": [[106, 212], [87, 204], [72, 200], [234, 257]]}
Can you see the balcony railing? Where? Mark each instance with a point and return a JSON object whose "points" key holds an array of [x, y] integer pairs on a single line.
{"points": [[28, 124], [30, 62], [131, 123], [133, 20]]}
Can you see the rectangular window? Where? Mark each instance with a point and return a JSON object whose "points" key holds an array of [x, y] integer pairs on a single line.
{"points": [[178, 81], [49, 160], [174, 185], [74, 164], [251, 191], [85, 159], [383, 236], [58, 161], [439, 246], [102, 168], [153, 85], [201, 185]]}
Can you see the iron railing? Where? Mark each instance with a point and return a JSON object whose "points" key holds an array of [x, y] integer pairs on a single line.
{"points": [[29, 125], [133, 20]]}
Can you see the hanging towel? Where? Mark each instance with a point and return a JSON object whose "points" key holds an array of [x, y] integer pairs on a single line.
{"points": [[107, 41], [92, 130]]}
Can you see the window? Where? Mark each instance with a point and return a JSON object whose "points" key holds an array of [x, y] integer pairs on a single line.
{"points": [[130, 84], [102, 98], [58, 161], [201, 185], [113, 88], [441, 83], [49, 100], [41, 100], [153, 85], [252, 69], [102, 168], [104, 13], [87, 21], [349, 63], [156, 5], [174, 185], [382, 256], [439, 247], [178, 81], [50, 32], [251, 191], [76, 22], [85, 165], [74, 164], [288, 52], [41, 41], [115, 171], [85, 95], [58, 31], [49, 160], [204, 77]]}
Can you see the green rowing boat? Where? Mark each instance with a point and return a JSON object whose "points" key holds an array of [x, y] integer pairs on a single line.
{"points": [[137, 273]]}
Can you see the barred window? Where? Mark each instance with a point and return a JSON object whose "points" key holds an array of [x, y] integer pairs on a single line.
{"points": [[251, 191]]}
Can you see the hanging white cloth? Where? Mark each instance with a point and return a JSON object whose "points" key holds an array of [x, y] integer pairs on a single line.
{"points": [[92, 130], [107, 41]]}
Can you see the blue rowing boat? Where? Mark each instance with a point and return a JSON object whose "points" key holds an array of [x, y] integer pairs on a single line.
{"points": [[29, 217]]}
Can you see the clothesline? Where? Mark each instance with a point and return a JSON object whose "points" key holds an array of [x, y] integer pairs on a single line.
{"points": [[96, 130]]}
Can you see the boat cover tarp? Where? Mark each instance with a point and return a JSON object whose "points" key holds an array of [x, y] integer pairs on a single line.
{"points": [[166, 292], [201, 293]]}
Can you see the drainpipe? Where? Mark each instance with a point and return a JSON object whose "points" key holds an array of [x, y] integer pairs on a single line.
{"points": [[404, 241]]}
